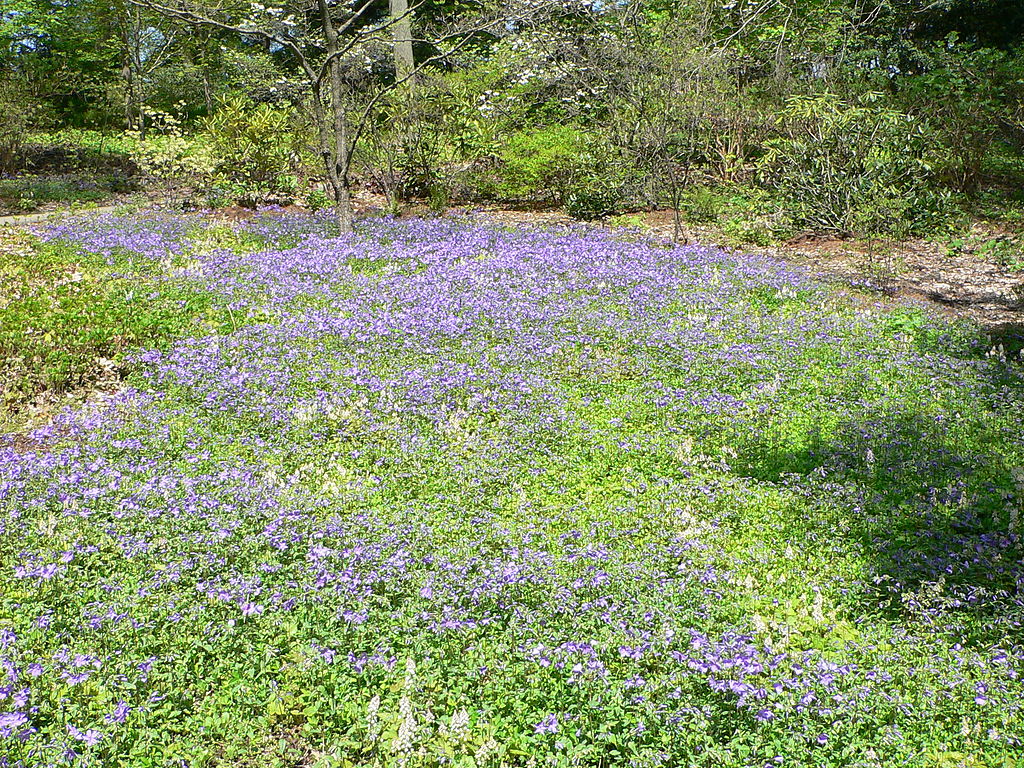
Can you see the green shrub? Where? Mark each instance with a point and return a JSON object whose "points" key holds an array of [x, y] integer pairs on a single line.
{"points": [[968, 92], [317, 199], [89, 143], [626, 221], [540, 162], [853, 168], [753, 230], [254, 149], [29, 192], [562, 164], [168, 157], [701, 204], [595, 193]]}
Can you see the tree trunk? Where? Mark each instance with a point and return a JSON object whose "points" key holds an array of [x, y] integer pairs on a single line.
{"points": [[677, 219], [404, 61], [333, 133], [203, 60], [404, 64], [129, 110], [135, 53], [342, 194], [207, 93]]}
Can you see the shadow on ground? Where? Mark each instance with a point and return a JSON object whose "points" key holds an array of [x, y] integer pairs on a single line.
{"points": [[935, 500]]}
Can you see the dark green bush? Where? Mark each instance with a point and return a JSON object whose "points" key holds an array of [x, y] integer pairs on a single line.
{"points": [[853, 168], [593, 201], [17, 111]]}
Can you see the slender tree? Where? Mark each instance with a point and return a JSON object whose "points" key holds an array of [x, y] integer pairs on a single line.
{"points": [[404, 61]]}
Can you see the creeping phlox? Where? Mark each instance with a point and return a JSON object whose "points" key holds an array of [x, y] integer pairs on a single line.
{"points": [[441, 492]]}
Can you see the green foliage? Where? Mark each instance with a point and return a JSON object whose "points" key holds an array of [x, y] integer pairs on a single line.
{"points": [[1001, 247], [17, 111], [69, 54], [701, 204], [846, 168], [744, 230], [245, 153], [626, 221], [540, 162], [254, 148], [596, 192], [691, 95], [67, 319], [169, 156], [91, 147], [317, 199], [28, 193], [968, 94], [562, 163], [413, 147]]}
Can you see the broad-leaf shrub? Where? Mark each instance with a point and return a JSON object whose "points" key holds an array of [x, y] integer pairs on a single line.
{"points": [[561, 163], [852, 167], [255, 149], [972, 97], [539, 162], [599, 181], [702, 204]]}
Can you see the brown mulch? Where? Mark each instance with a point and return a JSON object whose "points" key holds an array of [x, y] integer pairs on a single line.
{"points": [[240, 213]]}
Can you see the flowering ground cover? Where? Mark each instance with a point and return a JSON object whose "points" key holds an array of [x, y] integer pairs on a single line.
{"points": [[444, 493]]}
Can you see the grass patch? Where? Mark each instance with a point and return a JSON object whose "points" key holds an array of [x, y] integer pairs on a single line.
{"points": [[25, 194]]}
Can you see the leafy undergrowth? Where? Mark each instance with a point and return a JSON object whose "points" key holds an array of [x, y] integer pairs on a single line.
{"points": [[443, 493], [68, 316], [26, 194]]}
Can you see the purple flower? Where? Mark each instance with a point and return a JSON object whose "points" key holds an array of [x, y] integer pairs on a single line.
{"points": [[120, 713], [11, 722], [548, 725], [251, 609], [90, 737]]}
